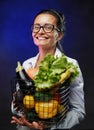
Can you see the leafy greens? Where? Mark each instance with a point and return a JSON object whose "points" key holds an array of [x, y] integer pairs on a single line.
{"points": [[50, 70]]}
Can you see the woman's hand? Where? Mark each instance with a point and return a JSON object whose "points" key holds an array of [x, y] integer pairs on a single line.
{"points": [[22, 121]]}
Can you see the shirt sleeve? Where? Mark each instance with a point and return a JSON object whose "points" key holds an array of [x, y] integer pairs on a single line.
{"points": [[76, 111]]}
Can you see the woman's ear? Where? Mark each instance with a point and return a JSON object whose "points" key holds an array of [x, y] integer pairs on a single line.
{"points": [[60, 36]]}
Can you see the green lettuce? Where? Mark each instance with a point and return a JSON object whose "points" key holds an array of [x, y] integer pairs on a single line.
{"points": [[50, 70]]}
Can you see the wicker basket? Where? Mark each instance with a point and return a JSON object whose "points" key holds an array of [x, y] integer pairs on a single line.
{"points": [[32, 114]]}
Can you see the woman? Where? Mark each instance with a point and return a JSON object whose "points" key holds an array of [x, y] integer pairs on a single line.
{"points": [[47, 31]]}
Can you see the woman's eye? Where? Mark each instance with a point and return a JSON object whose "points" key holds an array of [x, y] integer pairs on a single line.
{"points": [[48, 28], [36, 27]]}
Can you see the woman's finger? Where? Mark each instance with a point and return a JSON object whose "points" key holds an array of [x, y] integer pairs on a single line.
{"points": [[30, 125], [16, 120], [23, 121]]}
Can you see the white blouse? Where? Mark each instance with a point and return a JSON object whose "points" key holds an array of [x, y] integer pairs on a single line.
{"points": [[76, 112]]}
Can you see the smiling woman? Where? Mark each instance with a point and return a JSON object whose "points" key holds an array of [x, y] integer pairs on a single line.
{"points": [[47, 31]]}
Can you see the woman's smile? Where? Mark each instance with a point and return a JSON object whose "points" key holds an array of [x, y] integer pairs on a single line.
{"points": [[41, 38]]}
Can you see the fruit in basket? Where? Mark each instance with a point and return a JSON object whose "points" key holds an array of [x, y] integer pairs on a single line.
{"points": [[46, 110], [28, 101], [56, 96], [64, 76]]}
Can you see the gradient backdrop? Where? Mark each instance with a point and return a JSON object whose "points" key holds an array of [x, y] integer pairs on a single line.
{"points": [[16, 43]]}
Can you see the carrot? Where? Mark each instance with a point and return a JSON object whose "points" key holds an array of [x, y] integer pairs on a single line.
{"points": [[31, 72]]}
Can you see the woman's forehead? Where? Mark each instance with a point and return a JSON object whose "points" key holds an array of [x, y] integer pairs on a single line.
{"points": [[48, 18]]}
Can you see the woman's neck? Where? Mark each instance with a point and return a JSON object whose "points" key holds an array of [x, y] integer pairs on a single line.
{"points": [[42, 53]]}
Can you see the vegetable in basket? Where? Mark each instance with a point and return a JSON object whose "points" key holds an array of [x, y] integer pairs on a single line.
{"points": [[54, 70], [28, 101], [46, 109], [25, 82]]}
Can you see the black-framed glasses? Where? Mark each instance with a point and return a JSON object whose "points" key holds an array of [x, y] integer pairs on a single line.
{"points": [[46, 28]]}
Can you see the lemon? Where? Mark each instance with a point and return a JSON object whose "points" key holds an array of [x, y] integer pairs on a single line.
{"points": [[28, 101]]}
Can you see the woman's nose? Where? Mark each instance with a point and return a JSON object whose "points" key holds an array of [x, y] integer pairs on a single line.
{"points": [[41, 30]]}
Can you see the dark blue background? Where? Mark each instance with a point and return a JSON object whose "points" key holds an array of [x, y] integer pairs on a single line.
{"points": [[16, 43]]}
